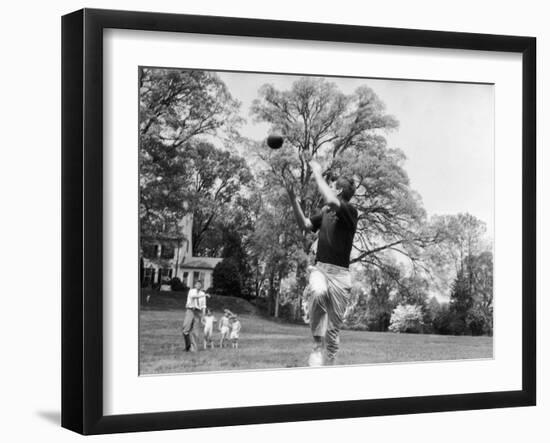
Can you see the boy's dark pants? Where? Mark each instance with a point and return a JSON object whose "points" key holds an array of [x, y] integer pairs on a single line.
{"points": [[191, 328]]}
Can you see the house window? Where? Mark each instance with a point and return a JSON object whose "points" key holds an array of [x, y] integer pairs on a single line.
{"points": [[150, 251], [148, 276], [185, 278], [198, 276], [167, 251]]}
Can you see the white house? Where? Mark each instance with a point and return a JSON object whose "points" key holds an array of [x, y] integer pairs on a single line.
{"points": [[198, 268], [164, 258]]}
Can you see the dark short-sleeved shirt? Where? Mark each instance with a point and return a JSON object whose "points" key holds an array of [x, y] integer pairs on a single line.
{"points": [[336, 230]]}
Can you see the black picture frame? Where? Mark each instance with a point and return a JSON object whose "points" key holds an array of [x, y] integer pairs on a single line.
{"points": [[82, 218]]}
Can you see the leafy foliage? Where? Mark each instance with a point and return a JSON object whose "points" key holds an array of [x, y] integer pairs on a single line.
{"points": [[461, 238], [177, 285], [461, 302], [176, 107], [276, 249], [407, 318], [443, 320], [217, 180], [234, 250], [225, 278], [472, 296], [375, 302]]}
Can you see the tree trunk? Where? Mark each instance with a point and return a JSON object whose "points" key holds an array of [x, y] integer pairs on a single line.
{"points": [[141, 271], [278, 293], [271, 292], [301, 283], [277, 296]]}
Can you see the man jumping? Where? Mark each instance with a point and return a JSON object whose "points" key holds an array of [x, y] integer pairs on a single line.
{"points": [[329, 280]]}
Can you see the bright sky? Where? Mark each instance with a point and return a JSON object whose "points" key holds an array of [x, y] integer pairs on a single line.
{"points": [[446, 131]]}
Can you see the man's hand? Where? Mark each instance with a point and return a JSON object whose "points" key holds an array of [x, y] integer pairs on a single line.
{"points": [[303, 223], [315, 167]]}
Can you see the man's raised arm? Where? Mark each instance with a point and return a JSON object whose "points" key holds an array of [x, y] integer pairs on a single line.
{"points": [[329, 196]]}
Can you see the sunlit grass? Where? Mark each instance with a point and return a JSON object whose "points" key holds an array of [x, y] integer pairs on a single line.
{"points": [[265, 343]]}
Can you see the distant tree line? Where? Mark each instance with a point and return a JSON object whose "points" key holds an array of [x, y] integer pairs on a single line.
{"points": [[392, 302]]}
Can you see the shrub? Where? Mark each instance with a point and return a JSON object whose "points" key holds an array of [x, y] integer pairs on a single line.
{"points": [[177, 285], [406, 318], [479, 322], [226, 279], [443, 320]]}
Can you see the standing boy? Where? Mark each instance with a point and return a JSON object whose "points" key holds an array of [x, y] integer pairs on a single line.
{"points": [[329, 280]]}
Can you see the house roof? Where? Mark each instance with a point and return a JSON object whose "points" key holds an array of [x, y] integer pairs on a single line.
{"points": [[201, 262]]}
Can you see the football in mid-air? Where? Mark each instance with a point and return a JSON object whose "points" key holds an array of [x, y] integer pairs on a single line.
{"points": [[275, 141]]}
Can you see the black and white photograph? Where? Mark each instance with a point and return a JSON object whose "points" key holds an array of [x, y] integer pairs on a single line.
{"points": [[293, 221]]}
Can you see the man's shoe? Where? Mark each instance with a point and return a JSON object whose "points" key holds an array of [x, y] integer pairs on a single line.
{"points": [[315, 358], [187, 342]]}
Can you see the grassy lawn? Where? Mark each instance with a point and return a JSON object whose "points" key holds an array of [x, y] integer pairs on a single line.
{"points": [[268, 344]]}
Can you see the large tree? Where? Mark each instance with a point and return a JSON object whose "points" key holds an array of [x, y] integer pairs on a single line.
{"points": [[176, 107], [379, 293], [462, 239], [218, 181], [275, 246], [483, 285], [465, 259], [346, 134], [235, 268]]}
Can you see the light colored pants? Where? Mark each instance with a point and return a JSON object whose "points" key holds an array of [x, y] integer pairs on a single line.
{"points": [[192, 326], [328, 291]]}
